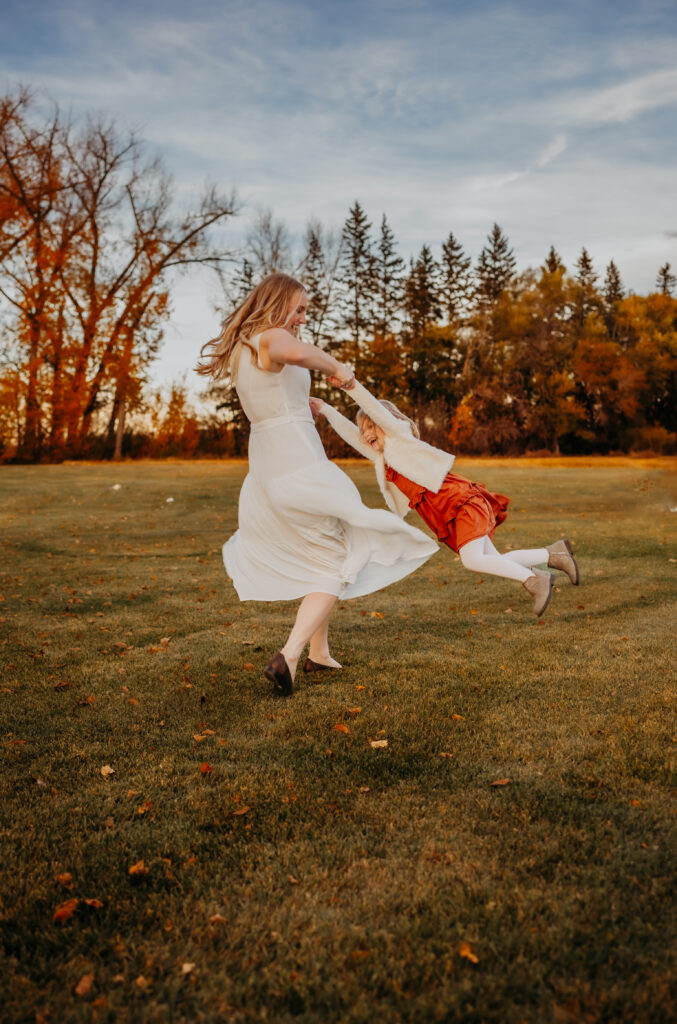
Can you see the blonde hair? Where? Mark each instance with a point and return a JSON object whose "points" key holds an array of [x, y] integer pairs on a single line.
{"points": [[362, 417], [266, 306]]}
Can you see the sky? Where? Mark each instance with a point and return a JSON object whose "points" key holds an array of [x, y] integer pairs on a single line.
{"points": [[557, 122]]}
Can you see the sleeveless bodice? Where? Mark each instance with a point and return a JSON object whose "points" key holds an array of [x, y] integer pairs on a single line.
{"points": [[283, 436]]}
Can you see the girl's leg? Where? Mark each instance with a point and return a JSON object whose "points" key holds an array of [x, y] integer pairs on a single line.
{"points": [[319, 645], [314, 610], [528, 556], [480, 555]]}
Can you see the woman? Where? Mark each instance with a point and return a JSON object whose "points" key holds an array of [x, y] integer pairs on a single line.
{"points": [[303, 530]]}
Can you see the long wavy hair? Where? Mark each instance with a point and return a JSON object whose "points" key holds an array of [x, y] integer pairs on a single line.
{"points": [[266, 306]]}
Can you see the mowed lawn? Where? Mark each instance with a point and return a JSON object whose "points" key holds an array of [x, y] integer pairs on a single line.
{"points": [[508, 856]]}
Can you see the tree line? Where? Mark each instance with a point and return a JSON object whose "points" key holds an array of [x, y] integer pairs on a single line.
{"points": [[488, 359]]}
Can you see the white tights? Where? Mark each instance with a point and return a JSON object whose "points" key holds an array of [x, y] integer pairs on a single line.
{"points": [[480, 555]]}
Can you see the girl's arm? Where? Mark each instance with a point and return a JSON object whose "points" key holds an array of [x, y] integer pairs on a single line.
{"points": [[278, 347], [343, 427]]}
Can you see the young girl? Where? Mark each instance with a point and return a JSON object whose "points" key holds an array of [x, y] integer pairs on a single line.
{"points": [[462, 514]]}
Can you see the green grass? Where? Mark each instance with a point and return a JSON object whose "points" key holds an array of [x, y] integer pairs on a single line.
{"points": [[347, 888]]}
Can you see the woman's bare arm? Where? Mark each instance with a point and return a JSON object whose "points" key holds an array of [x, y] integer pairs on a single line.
{"points": [[278, 347]]}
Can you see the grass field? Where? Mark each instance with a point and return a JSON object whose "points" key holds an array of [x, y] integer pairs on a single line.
{"points": [[248, 861]]}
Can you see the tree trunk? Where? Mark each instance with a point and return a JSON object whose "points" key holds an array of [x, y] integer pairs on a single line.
{"points": [[119, 433]]}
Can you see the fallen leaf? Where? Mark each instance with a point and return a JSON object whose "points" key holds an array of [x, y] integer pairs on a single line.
{"points": [[240, 811], [65, 879], [209, 732], [205, 768], [360, 687], [65, 910], [465, 951], [340, 727], [141, 982], [84, 986], [132, 700], [294, 881], [198, 738], [458, 718], [94, 904], [500, 782], [106, 771], [217, 919], [445, 753], [376, 615], [360, 954], [363, 789], [378, 743], [248, 665], [132, 792], [99, 1003], [187, 968], [354, 711], [138, 869], [165, 641]]}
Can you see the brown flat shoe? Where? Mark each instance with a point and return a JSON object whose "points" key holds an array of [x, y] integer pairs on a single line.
{"points": [[280, 676], [315, 666]]}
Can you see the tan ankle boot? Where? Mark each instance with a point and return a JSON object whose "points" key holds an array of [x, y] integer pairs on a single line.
{"points": [[561, 557], [539, 586]]}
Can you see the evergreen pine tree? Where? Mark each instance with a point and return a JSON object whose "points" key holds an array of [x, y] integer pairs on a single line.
{"points": [[388, 268], [613, 286], [586, 298], [553, 261], [422, 292], [456, 282], [357, 279], [665, 280], [496, 266], [317, 276]]}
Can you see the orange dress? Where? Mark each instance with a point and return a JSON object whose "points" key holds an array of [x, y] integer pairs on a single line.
{"points": [[461, 511]]}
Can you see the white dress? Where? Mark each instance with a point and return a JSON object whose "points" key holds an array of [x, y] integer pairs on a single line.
{"points": [[302, 525]]}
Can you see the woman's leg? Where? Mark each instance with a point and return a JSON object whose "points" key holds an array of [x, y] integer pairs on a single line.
{"points": [[319, 645], [313, 612], [480, 555]]}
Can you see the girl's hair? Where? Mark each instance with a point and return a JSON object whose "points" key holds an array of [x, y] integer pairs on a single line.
{"points": [[266, 306], [362, 416]]}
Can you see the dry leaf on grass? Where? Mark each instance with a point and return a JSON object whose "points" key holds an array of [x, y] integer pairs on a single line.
{"points": [[240, 811], [65, 910], [248, 665], [187, 968], [65, 879], [445, 753], [340, 727], [293, 881], [94, 903], [217, 919], [205, 768], [84, 986], [500, 782], [139, 869], [198, 738], [353, 711], [106, 771], [376, 615], [376, 744], [141, 982], [465, 951], [458, 718]]}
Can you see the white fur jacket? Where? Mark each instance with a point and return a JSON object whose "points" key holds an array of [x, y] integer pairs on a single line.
{"points": [[415, 459]]}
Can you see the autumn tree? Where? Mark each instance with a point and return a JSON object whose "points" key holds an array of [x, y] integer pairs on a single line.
{"points": [[455, 280], [496, 266]]}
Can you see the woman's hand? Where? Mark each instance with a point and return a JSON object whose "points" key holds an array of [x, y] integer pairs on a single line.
{"points": [[316, 406], [344, 377]]}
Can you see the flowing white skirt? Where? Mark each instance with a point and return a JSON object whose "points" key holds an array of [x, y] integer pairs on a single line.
{"points": [[303, 527]]}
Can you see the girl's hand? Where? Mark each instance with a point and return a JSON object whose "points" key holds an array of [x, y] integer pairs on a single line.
{"points": [[316, 406], [343, 378]]}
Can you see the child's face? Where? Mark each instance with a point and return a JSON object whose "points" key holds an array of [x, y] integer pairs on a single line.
{"points": [[372, 435], [296, 314]]}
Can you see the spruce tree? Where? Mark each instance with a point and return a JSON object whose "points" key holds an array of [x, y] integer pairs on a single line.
{"points": [[613, 286], [388, 268], [665, 280], [456, 282], [496, 266], [357, 279], [586, 298], [422, 292], [553, 261], [317, 278]]}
